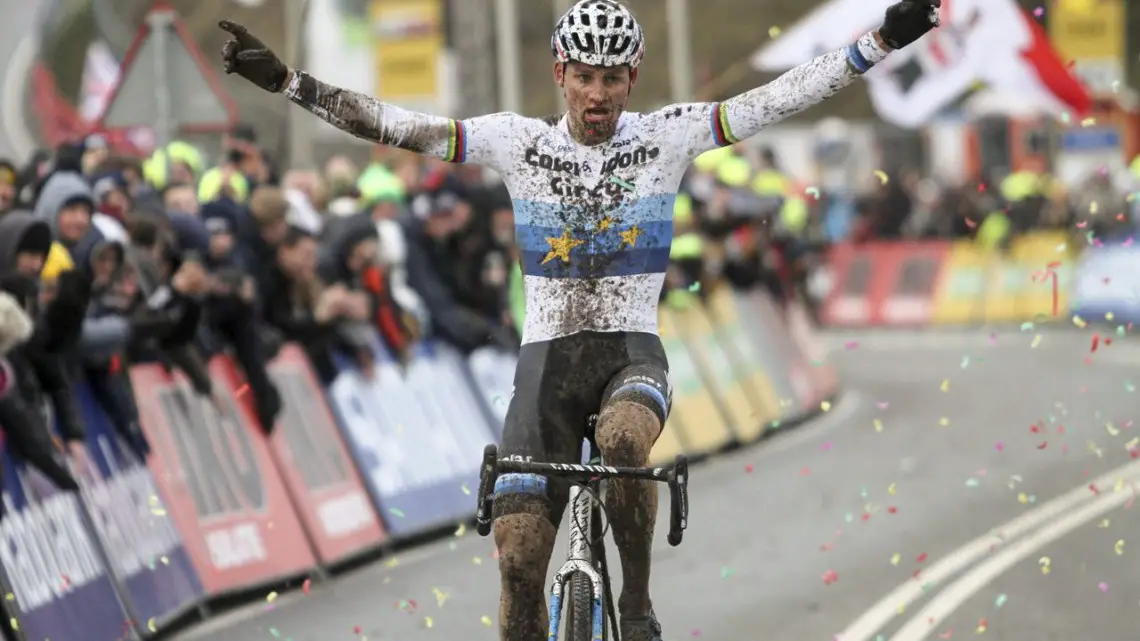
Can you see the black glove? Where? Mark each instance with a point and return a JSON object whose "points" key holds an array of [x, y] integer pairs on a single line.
{"points": [[248, 57], [908, 21]]}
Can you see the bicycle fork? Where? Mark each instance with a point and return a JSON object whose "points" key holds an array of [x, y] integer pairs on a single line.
{"points": [[578, 560]]}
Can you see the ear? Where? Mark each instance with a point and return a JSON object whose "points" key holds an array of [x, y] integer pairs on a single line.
{"points": [[559, 73], [633, 78]]}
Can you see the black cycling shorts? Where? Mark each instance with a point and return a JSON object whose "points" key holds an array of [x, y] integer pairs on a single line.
{"points": [[558, 384]]}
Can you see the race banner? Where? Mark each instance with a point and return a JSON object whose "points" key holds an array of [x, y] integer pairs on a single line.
{"points": [[327, 492], [58, 576], [214, 469], [144, 549], [417, 435], [702, 426], [493, 374]]}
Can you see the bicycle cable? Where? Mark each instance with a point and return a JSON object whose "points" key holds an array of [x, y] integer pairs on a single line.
{"points": [[602, 508]]}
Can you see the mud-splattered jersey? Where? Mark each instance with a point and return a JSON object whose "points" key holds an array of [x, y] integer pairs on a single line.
{"points": [[594, 224]]}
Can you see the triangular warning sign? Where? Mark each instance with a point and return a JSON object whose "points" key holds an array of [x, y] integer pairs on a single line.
{"points": [[193, 97]]}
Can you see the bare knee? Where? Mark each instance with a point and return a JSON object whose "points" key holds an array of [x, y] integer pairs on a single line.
{"points": [[525, 540], [626, 432]]}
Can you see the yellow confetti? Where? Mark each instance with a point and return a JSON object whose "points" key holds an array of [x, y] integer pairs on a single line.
{"points": [[1112, 431], [1079, 322], [902, 607], [895, 558], [466, 490], [1036, 342], [981, 627], [1103, 524], [1093, 207], [943, 421], [1044, 563], [945, 384], [158, 511], [393, 562], [774, 32], [271, 597], [477, 561], [165, 561], [440, 596], [1131, 445], [1119, 547], [1119, 485], [1088, 122], [878, 425], [825, 406], [486, 620], [1022, 498], [882, 176], [428, 622], [891, 489], [461, 530], [150, 625]]}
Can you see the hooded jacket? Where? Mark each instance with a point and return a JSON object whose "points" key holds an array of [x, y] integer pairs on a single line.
{"points": [[60, 190]]}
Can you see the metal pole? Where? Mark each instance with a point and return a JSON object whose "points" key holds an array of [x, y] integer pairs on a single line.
{"points": [[164, 126], [560, 7], [298, 123], [507, 51], [680, 50]]}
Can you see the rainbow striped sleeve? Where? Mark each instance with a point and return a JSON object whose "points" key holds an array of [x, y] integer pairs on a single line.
{"points": [[456, 142], [722, 132]]}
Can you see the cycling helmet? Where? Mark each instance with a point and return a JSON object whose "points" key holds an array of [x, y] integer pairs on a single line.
{"points": [[600, 33]]}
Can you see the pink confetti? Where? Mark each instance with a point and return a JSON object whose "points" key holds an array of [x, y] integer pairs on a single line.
{"points": [[826, 446], [830, 577], [851, 345], [999, 446], [883, 405], [1038, 12], [1103, 587]]}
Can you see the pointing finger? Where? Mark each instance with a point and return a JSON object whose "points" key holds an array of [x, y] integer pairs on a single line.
{"points": [[233, 28]]}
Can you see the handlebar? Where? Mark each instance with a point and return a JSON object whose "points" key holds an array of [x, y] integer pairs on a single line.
{"points": [[676, 476]]}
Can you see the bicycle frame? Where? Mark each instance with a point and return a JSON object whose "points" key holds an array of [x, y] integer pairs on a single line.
{"points": [[582, 512], [579, 557]]}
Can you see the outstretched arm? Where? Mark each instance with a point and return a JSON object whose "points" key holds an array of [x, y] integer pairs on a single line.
{"points": [[475, 140], [724, 123]]}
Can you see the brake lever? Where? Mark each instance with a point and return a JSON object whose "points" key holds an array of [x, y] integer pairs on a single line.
{"points": [[488, 474], [678, 500]]}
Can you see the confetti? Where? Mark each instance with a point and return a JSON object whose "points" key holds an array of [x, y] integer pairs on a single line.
{"points": [[895, 558], [623, 184], [774, 31], [695, 287], [397, 512], [943, 421], [271, 597], [150, 625], [1044, 562], [486, 620], [825, 406], [813, 192], [306, 586], [830, 577], [428, 622], [1119, 547], [1103, 587], [1000, 600], [878, 425], [882, 176]]}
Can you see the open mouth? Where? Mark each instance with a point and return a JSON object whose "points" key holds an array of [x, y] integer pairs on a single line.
{"points": [[597, 115]]}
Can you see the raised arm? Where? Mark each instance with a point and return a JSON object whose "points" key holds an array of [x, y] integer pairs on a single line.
{"points": [[476, 140], [718, 124]]}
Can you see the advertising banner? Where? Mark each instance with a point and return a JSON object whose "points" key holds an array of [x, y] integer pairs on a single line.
{"points": [[1107, 282], [961, 292], [699, 335], [143, 547], [493, 375], [417, 435], [327, 493], [753, 373], [769, 341], [215, 472], [912, 272], [59, 579], [703, 426], [850, 301]]}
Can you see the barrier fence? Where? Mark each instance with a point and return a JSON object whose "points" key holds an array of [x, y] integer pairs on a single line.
{"points": [[218, 507], [933, 283]]}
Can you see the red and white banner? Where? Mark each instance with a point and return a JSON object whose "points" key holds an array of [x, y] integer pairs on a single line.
{"points": [[981, 42]]}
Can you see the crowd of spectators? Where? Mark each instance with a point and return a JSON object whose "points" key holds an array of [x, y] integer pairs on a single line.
{"points": [[108, 261]]}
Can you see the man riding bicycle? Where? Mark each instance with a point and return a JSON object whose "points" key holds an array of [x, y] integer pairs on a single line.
{"points": [[593, 194]]}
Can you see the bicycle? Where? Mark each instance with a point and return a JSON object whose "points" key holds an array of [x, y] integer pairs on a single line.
{"points": [[585, 566]]}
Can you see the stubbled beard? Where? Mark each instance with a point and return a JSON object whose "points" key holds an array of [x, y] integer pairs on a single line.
{"points": [[589, 134]]}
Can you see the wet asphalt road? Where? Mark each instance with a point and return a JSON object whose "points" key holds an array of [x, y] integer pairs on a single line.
{"points": [[937, 442]]}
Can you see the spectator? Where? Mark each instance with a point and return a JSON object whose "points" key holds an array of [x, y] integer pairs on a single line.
{"points": [[9, 186], [180, 197], [432, 270], [303, 309], [352, 263], [66, 204], [37, 364]]}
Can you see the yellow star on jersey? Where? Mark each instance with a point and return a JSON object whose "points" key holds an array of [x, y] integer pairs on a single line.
{"points": [[629, 236], [605, 224], [560, 247]]}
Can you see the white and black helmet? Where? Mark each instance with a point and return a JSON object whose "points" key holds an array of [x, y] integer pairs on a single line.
{"points": [[600, 33]]}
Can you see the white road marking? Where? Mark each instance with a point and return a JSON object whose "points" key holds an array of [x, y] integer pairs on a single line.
{"points": [[880, 614], [947, 601]]}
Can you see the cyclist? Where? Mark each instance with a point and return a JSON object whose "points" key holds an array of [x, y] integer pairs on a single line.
{"points": [[593, 195]]}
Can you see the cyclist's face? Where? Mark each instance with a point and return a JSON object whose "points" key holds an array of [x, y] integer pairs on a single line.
{"points": [[596, 97]]}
